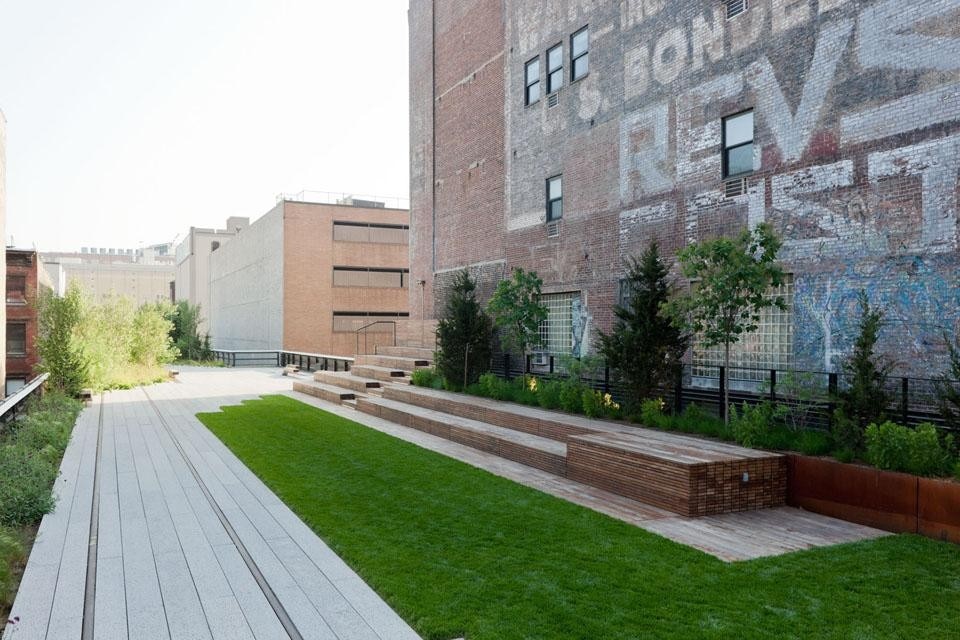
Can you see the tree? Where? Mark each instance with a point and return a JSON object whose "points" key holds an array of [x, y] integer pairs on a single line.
{"points": [[61, 354], [185, 332], [864, 400], [517, 312], [464, 333], [948, 387], [731, 278], [645, 345]]}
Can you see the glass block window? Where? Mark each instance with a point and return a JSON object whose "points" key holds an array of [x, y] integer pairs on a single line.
{"points": [[556, 332], [769, 347]]}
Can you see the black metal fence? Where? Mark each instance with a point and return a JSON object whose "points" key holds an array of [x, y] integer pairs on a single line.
{"points": [[913, 400], [267, 358]]}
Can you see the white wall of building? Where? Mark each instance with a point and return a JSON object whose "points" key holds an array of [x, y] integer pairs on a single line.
{"points": [[246, 287]]}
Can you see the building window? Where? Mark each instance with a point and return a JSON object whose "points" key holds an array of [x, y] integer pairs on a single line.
{"points": [[554, 68], [554, 198], [381, 321], [751, 359], [15, 384], [738, 144], [16, 339], [16, 289], [371, 232], [556, 332], [579, 54], [370, 277], [214, 246], [531, 81]]}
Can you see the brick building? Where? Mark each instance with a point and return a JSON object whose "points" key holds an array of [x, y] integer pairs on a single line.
{"points": [[24, 281], [306, 275], [562, 136]]}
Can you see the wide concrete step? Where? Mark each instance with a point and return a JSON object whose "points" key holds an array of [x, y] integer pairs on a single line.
{"points": [[423, 353], [534, 451], [346, 380], [392, 362], [326, 392], [383, 374]]}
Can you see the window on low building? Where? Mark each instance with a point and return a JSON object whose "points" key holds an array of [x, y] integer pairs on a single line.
{"points": [[370, 277], [16, 289], [531, 81], [16, 339], [738, 144], [554, 68], [580, 54], [377, 233], [769, 347], [554, 198], [350, 321], [214, 245], [15, 384]]}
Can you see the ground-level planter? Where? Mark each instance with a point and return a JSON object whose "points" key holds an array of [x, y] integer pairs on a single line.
{"points": [[887, 500]]}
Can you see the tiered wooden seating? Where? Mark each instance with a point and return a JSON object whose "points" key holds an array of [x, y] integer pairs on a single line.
{"points": [[326, 392], [392, 362], [531, 450], [422, 353], [346, 380], [383, 374]]}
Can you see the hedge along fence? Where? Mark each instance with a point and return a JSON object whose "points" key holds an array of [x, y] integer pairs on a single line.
{"points": [[915, 398]]}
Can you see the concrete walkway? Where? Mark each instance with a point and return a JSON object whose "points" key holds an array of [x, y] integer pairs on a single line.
{"points": [[161, 532]]}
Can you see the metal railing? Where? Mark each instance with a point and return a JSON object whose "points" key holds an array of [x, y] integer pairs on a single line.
{"points": [[365, 330], [913, 400], [281, 358], [13, 405]]}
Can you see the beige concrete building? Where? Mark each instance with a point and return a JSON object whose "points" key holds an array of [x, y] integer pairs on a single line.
{"points": [[143, 275], [193, 264], [307, 275]]}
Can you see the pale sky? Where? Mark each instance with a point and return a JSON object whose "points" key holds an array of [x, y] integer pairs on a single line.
{"points": [[128, 121]]}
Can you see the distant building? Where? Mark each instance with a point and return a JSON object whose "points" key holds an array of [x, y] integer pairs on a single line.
{"points": [[143, 275], [3, 227], [24, 282], [307, 275], [193, 264]]}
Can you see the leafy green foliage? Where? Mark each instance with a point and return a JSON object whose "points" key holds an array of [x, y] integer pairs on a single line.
{"points": [[645, 346], [948, 387], [731, 278], [865, 399], [548, 393], [753, 424], [517, 311], [58, 345], [803, 394], [12, 553], [464, 333], [522, 564], [185, 333], [897, 448], [427, 378]]}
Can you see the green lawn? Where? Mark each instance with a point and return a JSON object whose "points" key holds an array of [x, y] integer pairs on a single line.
{"points": [[458, 551]]}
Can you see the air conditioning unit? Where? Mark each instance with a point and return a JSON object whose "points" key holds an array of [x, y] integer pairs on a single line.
{"points": [[540, 359], [735, 187]]}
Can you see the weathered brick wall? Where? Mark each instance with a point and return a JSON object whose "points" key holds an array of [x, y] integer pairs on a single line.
{"points": [[856, 156]]}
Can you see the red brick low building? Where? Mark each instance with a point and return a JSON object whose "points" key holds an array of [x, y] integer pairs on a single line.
{"points": [[23, 287]]}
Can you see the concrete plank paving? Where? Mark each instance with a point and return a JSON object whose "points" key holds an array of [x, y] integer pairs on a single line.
{"points": [[190, 544]]}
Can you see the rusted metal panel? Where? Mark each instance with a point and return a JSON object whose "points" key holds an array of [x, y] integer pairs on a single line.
{"points": [[939, 509], [881, 499]]}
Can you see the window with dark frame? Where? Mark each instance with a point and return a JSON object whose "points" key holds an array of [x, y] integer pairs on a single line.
{"points": [[531, 79], [554, 198], [16, 339], [16, 289], [554, 68], [579, 54], [738, 144]]}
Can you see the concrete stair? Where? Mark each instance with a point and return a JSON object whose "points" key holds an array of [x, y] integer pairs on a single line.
{"points": [[534, 451], [382, 374], [328, 392], [392, 362], [422, 353]]}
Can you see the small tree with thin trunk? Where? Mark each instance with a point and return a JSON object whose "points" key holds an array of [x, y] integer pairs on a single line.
{"points": [[730, 279], [517, 311], [60, 351], [645, 345], [464, 334]]}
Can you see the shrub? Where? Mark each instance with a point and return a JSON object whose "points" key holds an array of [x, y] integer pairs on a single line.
{"points": [[894, 447], [753, 425], [814, 443], [597, 404], [847, 433], [548, 394], [185, 333], [425, 378], [948, 386], [651, 414], [956, 470], [844, 455], [464, 333], [517, 310], [58, 345], [571, 396], [25, 491]]}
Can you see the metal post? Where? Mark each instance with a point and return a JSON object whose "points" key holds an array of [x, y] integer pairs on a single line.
{"points": [[606, 379], [678, 392], [773, 385], [336, 363], [723, 386], [526, 364], [506, 366], [832, 387], [905, 399], [551, 365]]}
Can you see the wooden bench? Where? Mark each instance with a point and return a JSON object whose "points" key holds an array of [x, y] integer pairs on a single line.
{"points": [[290, 368]]}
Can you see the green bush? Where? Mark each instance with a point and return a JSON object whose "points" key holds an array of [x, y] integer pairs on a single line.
{"points": [[956, 470], [814, 443], [548, 394], [11, 553], [751, 425], [571, 396], [894, 447], [425, 378], [651, 414], [592, 402], [25, 491], [847, 433]]}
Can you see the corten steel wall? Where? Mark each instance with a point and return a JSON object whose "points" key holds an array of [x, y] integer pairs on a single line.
{"points": [[310, 253], [24, 263], [456, 97], [856, 156]]}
